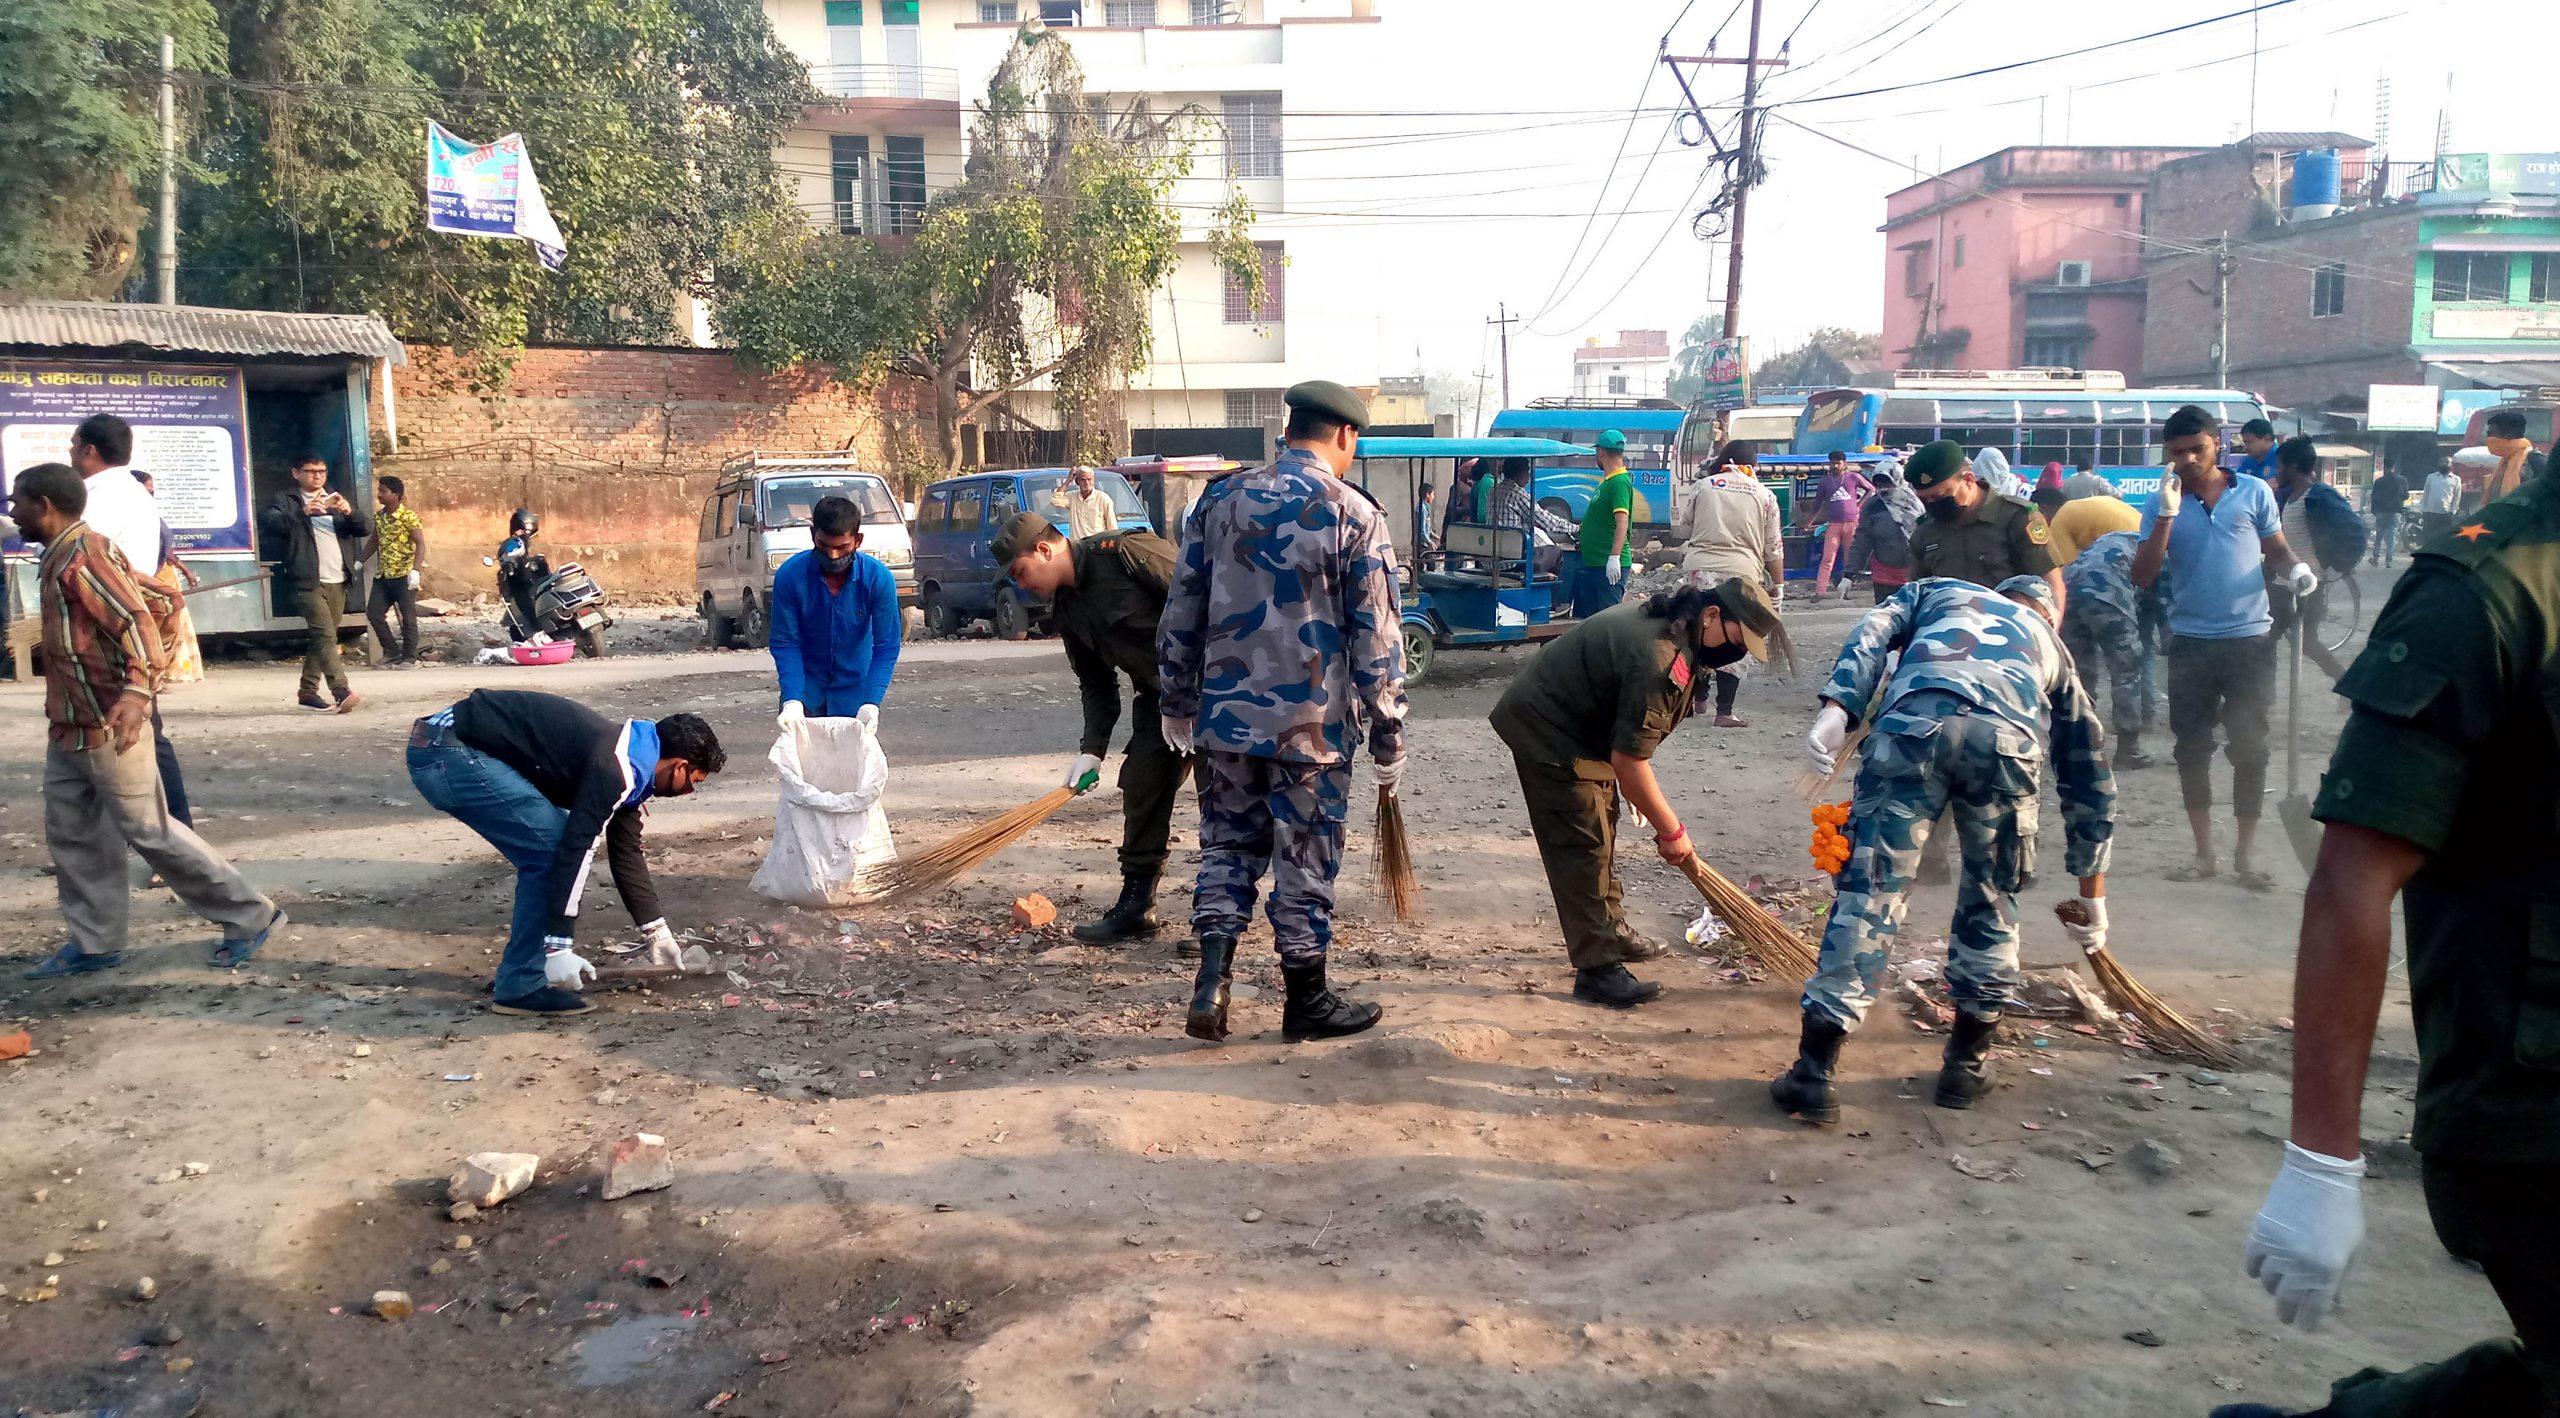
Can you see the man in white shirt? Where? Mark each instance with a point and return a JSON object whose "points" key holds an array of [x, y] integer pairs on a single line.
{"points": [[2440, 504], [124, 512], [1090, 511]]}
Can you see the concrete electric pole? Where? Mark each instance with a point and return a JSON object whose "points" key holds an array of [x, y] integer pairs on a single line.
{"points": [[1502, 324], [168, 171]]}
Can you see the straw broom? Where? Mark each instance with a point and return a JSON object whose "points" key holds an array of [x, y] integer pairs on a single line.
{"points": [[1780, 949], [958, 854], [2167, 1029], [1395, 857]]}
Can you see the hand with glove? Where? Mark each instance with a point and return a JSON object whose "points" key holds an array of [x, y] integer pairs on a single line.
{"points": [[563, 966], [2084, 919], [1177, 734], [1830, 732], [2303, 579], [1082, 774], [869, 717], [661, 941], [1615, 570], [792, 713], [1390, 773], [2307, 1234]]}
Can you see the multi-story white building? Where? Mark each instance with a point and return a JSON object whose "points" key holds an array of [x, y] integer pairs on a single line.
{"points": [[1279, 87], [1638, 366]]}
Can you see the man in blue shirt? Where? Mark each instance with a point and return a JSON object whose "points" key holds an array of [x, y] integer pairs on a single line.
{"points": [[2217, 534], [836, 630], [2258, 449]]}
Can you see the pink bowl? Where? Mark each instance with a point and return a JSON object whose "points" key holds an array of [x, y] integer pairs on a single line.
{"points": [[555, 653]]}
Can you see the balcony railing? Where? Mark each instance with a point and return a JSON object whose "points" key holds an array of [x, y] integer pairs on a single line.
{"points": [[897, 81], [2372, 182]]}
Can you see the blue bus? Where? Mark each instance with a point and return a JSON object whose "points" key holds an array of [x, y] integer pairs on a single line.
{"points": [[2082, 419], [1662, 439]]}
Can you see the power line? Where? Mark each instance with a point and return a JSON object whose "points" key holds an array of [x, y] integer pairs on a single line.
{"points": [[2045, 59], [1601, 198], [1791, 34]]}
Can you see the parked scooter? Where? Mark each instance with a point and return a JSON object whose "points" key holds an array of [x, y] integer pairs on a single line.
{"points": [[544, 605]]}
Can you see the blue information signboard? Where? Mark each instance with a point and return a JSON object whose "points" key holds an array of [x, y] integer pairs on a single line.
{"points": [[190, 432]]}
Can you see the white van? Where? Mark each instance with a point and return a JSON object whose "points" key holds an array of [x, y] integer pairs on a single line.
{"points": [[757, 518]]}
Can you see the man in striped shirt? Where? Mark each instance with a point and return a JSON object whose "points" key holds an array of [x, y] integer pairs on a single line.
{"points": [[103, 660]]}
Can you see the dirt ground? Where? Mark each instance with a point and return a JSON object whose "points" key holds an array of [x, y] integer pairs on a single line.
{"points": [[930, 1164]]}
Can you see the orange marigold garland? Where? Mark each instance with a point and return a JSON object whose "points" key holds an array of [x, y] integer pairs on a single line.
{"points": [[1830, 845]]}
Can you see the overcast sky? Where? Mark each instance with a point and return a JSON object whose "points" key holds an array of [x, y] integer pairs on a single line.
{"points": [[1571, 71]]}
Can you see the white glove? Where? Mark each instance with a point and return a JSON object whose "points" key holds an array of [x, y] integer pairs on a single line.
{"points": [[566, 969], [1616, 571], [868, 716], [1082, 774], [1830, 732], [661, 941], [413, 580], [792, 713], [2167, 500], [2304, 580], [1389, 773], [1177, 734], [2307, 1234], [2092, 937]]}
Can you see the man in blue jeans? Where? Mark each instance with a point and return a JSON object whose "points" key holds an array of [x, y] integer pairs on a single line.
{"points": [[546, 781]]}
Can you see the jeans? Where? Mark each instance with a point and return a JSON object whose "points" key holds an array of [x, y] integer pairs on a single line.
{"points": [[322, 608], [390, 592], [1592, 592], [2386, 536], [510, 814]]}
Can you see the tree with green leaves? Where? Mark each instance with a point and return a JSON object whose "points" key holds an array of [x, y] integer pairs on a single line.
{"points": [[1688, 383], [1041, 263], [1831, 355]]}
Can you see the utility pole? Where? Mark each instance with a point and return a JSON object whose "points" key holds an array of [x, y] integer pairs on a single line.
{"points": [[1502, 326], [2222, 313], [1745, 156], [168, 171]]}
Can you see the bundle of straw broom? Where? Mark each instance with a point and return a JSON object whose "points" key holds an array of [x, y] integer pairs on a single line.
{"points": [[1780, 949], [958, 854], [2166, 1028], [1395, 857]]}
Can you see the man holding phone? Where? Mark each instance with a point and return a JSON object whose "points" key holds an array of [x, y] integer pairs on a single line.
{"points": [[320, 537]]}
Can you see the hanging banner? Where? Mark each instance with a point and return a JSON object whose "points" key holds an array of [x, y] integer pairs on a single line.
{"points": [[190, 433], [1728, 383], [489, 190], [2510, 174]]}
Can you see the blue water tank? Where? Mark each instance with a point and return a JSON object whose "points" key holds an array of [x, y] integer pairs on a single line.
{"points": [[2315, 184]]}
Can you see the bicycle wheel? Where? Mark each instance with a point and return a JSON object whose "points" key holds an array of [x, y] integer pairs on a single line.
{"points": [[2345, 611]]}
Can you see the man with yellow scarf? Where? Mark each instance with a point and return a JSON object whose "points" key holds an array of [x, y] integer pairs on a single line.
{"points": [[2517, 461]]}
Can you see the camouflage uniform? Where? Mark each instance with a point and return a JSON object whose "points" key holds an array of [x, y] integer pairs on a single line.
{"points": [[2102, 625], [1983, 686], [1283, 641]]}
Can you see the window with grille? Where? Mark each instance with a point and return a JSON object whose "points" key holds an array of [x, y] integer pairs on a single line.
{"points": [[1129, 14], [1959, 253], [2055, 351], [996, 12], [1275, 265], [1253, 135], [2329, 290], [2545, 285], [2471, 275], [1617, 383], [903, 178], [1915, 269], [1247, 408], [848, 154], [1216, 12]]}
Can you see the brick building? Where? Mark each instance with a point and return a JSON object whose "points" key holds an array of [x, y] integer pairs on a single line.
{"points": [[2406, 279], [2031, 256], [1636, 366]]}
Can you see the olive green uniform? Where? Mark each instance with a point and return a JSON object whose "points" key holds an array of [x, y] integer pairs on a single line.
{"points": [[2004, 537], [1616, 683], [1108, 620], [2453, 745]]}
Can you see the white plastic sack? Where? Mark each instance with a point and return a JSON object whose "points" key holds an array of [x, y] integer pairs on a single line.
{"points": [[830, 824]]}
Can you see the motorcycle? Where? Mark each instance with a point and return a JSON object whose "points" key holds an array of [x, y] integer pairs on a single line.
{"points": [[542, 604]]}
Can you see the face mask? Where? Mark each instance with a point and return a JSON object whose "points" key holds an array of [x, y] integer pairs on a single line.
{"points": [[1946, 509], [835, 565], [1716, 657]]}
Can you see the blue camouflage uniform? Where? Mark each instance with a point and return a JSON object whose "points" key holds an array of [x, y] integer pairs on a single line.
{"points": [[2102, 625], [1983, 695], [1283, 641]]}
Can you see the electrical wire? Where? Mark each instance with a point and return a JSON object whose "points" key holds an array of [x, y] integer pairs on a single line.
{"points": [[2042, 59]]}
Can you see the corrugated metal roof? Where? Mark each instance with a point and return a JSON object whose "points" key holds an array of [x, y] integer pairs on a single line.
{"points": [[195, 329], [2289, 139]]}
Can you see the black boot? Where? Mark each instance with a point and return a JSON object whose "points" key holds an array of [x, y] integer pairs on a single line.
{"points": [[1612, 986], [1966, 1076], [2129, 754], [1314, 1012], [1209, 989], [1804, 1091], [1133, 917]]}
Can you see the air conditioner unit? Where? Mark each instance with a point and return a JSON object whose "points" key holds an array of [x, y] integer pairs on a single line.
{"points": [[2072, 273]]}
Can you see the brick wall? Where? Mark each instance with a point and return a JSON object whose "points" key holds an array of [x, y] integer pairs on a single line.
{"points": [[2279, 349], [616, 449]]}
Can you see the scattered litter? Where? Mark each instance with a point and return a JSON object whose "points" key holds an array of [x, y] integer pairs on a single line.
{"points": [[1983, 1171], [1933, 1401], [461, 1078], [1706, 930], [17, 1045], [2146, 1339]]}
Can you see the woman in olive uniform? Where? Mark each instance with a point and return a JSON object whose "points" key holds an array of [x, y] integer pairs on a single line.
{"points": [[1583, 721]]}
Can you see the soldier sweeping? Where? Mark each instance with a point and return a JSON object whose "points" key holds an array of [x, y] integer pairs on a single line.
{"points": [[1583, 721], [1108, 592], [1281, 644], [1983, 696]]}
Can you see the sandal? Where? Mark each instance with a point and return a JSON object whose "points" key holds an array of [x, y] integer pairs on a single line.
{"points": [[2190, 872], [232, 954]]}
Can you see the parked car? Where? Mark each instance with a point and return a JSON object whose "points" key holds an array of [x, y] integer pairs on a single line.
{"points": [[757, 518], [957, 579]]}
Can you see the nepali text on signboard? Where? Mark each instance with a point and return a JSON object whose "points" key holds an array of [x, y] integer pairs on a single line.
{"points": [[190, 433]]}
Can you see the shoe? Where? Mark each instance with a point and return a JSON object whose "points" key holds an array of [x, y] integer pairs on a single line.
{"points": [[1315, 1012], [1635, 950], [1966, 1074], [1133, 917], [545, 1003], [350, 704], [1208, 1018], [232, 954], [1612, 986], [316, 706], [69, 960], [1804, 1091]]}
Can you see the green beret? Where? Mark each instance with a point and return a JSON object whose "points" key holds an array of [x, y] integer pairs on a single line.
{"points": [[1936, 463], [1610, 441], [1021, 532], [1751, 611], [1331, 400]]}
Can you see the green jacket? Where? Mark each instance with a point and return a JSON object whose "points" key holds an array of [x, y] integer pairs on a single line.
{"points": [[1108, 621]]}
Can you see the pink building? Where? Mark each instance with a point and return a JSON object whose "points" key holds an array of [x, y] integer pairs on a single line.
{"points": [[2028, 257]]}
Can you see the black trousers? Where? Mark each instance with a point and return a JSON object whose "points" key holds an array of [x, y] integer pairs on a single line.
{"points": [[390, 593], [2229, 684], [2501, 1219], [1151, 777], [1575, 822]]}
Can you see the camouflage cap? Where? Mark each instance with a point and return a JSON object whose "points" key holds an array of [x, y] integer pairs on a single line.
{"points": [[1750, 611], [1021, 532], [1935, 463], [2035, 591], [1331, 400]]}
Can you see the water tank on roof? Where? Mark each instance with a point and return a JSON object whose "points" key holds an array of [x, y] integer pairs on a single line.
{"points": [[2315, 185]]}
